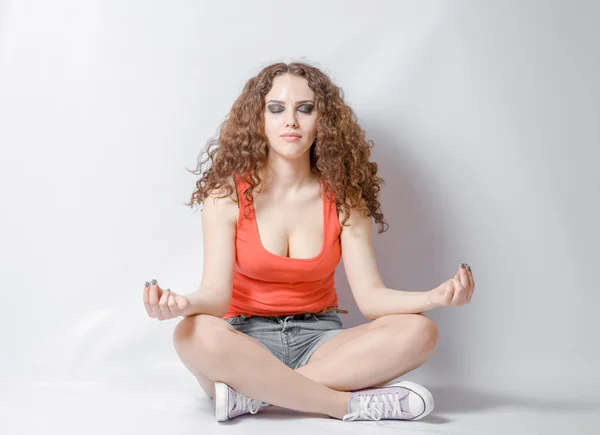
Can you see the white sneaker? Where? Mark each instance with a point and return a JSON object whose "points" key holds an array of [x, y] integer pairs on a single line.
{"points": [[399, 401], [230, 404]]}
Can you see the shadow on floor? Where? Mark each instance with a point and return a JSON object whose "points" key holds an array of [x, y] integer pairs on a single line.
{"points": [[454, 400]]}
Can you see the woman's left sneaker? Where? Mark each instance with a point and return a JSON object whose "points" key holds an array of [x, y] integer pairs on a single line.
{"points": [[230, 404], [399, 401]]}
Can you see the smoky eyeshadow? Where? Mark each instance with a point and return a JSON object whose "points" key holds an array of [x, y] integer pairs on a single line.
{"points": [[278, 108]]}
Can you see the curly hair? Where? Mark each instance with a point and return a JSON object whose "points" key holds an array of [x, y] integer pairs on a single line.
{"points": [[339, 156]]}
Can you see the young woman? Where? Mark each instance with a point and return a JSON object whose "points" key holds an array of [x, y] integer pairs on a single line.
{"points": [[290, 190]]}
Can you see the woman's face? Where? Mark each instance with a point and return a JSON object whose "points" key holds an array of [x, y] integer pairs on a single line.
{"points": [[290, 108]]}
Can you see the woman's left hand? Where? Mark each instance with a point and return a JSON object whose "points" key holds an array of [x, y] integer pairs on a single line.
{"points": [[457, 291]]}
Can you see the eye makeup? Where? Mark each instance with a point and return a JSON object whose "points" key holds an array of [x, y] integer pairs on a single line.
{"points": [[307, 106], [278, 108]]}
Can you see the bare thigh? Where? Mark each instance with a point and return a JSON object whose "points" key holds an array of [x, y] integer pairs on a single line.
{"points": [[350, 334], [207, 384], [340, 339]]}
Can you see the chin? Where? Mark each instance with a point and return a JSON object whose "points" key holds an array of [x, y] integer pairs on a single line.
{"points": [[284, 147]]}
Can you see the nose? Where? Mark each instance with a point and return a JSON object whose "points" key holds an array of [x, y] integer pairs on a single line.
{"points": [[290, 120]]}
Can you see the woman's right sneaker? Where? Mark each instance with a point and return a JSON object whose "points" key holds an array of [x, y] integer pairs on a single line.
{"points": [[399, 401]]}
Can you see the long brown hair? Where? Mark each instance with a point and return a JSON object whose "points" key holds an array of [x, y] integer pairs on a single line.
{"points": [[339, 155]]}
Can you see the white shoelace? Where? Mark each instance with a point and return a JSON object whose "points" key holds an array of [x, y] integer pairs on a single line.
{"points": [[247, 404], [376, 407]]}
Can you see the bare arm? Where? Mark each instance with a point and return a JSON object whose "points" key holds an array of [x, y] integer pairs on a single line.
{"points": [[219, 220], [389, 301]]}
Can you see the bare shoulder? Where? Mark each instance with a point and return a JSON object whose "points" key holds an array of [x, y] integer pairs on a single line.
{"points": [[217, 203], [356, 220]]}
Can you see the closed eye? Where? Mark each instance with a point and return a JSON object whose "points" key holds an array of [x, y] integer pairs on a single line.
{"points": [[277, 108]]}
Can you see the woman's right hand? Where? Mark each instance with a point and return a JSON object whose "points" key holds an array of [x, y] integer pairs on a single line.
{"points": [[163, 304]]}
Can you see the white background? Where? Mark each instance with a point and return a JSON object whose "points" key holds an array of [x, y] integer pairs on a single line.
{"points": [[485, 118]]}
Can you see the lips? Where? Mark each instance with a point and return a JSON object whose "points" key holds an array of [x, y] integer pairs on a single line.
{"points": [[290, 135]]}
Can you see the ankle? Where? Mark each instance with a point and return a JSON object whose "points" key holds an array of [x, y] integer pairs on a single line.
{"points": [[341, 408]]}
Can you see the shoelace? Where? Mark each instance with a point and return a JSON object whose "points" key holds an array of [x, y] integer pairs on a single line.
{"points": [[247, 404], [376, 407]]}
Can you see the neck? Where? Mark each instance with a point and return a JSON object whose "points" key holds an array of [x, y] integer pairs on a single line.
{"points": [[283, 176]]}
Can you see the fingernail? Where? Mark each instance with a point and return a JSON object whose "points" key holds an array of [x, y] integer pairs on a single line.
{"points": [[462, 265], [469, 268], [147, 284], [153, 282], [168, 289]]}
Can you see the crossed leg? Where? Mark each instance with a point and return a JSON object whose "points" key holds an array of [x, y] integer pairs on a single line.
{"points": [[366, 356], [373, 354]]}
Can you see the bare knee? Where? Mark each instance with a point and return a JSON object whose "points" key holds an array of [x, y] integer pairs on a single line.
{"points": [[423, 333], [200, 340], [427, 333]]}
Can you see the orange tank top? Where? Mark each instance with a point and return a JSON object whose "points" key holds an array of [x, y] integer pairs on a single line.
{"points": [[265, 284]]}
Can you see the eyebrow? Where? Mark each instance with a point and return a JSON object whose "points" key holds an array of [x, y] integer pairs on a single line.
{"points": [[297, 102]]}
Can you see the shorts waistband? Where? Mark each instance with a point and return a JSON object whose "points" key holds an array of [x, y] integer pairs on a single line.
{"points": [[304, 315]]}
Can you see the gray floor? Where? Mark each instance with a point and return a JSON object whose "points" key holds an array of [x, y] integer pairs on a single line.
{"points": [[176, 404]]}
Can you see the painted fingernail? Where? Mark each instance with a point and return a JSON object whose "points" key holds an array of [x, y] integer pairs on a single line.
{"points": [[469, 268], [168, 289], [462, 265], [147, 284], [153, 282]]}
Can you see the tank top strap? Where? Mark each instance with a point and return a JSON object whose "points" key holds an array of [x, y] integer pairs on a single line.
{"points": [[240, 186], [331, 211]]}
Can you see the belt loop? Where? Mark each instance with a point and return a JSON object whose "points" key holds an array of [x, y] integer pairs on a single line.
{"points": [[284, 323], [243, 316]]}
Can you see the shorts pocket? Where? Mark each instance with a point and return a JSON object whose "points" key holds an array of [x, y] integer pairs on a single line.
{"points": [[234, 320], [331, 316]]}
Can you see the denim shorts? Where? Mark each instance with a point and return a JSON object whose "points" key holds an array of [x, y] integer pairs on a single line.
{"points": [[292, 339]]}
